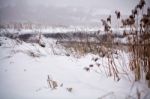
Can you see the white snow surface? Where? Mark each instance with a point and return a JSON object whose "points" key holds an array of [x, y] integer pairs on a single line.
{"points": [[25, 77], [51, 30], [68, 29]]}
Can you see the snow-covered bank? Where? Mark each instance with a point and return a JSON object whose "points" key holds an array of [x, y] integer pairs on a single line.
{"points": [[24, 68], [51, 30], [68, 29]]}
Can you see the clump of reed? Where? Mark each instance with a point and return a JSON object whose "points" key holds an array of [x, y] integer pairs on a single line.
{"points": [[139, 35]]}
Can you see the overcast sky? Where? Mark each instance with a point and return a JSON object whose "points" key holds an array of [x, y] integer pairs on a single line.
{"points": [[62, 12]]}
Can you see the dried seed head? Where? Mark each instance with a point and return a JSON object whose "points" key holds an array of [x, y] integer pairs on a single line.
{"points": [[69, 89], [86, 68], [91, 65], [98, 64]]}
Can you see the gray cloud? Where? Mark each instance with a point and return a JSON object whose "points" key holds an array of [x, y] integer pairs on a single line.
{"points": [[65, 12]]}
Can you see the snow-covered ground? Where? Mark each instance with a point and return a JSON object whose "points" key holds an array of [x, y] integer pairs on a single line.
{"points": [[51, 29], [24, 70]]}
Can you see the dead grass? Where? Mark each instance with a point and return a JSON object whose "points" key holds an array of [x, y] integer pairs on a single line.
{"points": [[52, 84]]}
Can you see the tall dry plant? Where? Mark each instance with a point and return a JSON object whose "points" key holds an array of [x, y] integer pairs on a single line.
{"points": [[140, 44]]}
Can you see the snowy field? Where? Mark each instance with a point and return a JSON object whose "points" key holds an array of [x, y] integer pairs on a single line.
{"points": [[26, 70]]}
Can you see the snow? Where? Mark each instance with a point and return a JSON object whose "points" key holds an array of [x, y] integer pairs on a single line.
{"points": [[58, 29], [50, 29], [23, 76]]}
